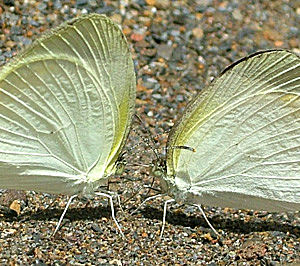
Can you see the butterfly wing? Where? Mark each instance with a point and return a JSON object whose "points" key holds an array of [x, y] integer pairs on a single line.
{"points": [[66, 105], [245, 128]]}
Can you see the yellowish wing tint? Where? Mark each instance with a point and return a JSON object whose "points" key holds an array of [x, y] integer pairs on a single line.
{"points": [[245, 128], [66, 105]]}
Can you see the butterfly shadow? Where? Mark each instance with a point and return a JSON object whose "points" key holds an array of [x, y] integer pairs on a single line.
{"points": [[72, 214], [220, 222]]}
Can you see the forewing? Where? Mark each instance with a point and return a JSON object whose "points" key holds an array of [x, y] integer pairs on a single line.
{"points": [[245, 129], [65, 107]]}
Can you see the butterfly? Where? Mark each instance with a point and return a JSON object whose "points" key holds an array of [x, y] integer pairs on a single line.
{"points": [[66, 106], [237, 144]]}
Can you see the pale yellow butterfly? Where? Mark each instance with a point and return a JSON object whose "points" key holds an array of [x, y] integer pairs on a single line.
{"points": [[66, 105], [237, 143]]}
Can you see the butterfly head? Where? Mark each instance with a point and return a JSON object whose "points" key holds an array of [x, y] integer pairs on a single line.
{"points": [[120, 164]]}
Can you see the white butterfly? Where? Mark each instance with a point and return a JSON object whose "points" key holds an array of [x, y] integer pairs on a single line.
{"points": [[66, 105], [237, 143]]}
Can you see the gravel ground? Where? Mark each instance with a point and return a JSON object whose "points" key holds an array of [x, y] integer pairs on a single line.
{"points": [[178, 47]]}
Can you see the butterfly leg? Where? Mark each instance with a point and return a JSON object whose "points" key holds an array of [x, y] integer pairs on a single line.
{"points": [[110, 197], [63, 214], [209, 224], [143, 203], [119, 202], [164, 216]]}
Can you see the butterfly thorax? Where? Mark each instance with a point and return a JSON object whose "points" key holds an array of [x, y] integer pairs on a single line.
{"points": [[168, 184]]}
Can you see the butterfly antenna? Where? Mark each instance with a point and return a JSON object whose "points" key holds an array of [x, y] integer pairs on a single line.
{"points": [[110, 197], [164, 217], [181, 147], [121, 158], [151, 187], [205, 217], [139, 164], [146, 140], [63, 214]]}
